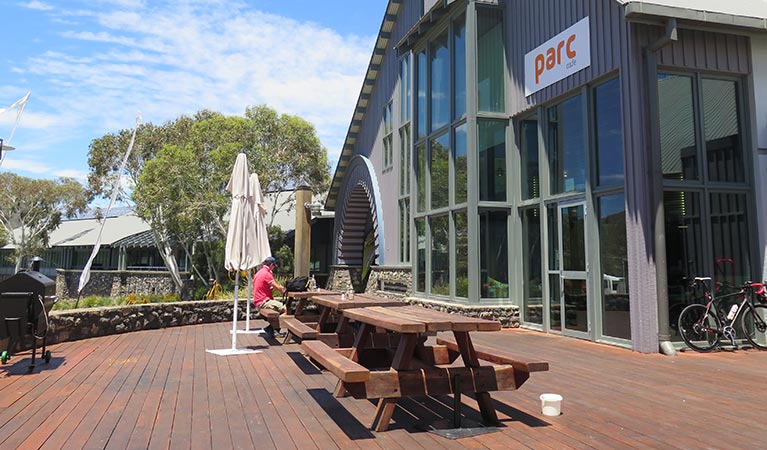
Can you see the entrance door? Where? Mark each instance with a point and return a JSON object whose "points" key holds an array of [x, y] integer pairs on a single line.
{"points": [[568, 283]]}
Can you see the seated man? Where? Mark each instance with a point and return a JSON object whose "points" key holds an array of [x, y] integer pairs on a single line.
{"points": [[263, 283]]}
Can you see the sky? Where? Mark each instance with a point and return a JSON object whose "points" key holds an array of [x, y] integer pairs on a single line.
{"points": [[92, 65]]}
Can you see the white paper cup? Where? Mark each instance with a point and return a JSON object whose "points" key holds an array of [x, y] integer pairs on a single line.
{"points": [[551, 404]]}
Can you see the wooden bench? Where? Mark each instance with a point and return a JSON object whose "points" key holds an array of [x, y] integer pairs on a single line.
{"points": [[295, 329], [522, 369], [271, 316], [336, 362]]}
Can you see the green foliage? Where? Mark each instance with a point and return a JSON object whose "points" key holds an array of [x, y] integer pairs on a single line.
{"points": [[131, 299], [284, 257], [36, 208], [180, 170]]}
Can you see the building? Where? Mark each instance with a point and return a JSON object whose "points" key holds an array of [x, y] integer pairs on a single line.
{"points": [[575, 161]]}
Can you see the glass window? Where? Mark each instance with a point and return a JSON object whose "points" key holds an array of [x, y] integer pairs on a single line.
{"points": [[491, 64], [440, 160], [684, 247], [494, 261], [459, 162], [729, 233], [532, 266], [529, 152], [387, 140], [420, 174], [677, 127], [724, 149], [608, 133], [440, 82], [404, 230], [404, 160], [440, 255], [459, 67], [567, 149], [461, 254], [555, 303], [492, 161], [616, 318], [405, 89], [420, 235], [553, 227], [421, 107], [573, 239]]}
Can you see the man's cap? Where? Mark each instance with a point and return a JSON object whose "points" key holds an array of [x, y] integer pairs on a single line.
{"points": [[270, 260]]}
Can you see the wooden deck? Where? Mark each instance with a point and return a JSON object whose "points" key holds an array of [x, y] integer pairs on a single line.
{"points": [[160, 389]]}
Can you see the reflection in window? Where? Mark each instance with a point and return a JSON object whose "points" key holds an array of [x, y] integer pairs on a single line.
{"points": [[421, 101], [440, 82], [494, 262], [459, 66], [387, 140], [420, 175], [567, 150], [684, 247], [404, 160], [677, 127], [459, 162], [573, 239], [490, 60], [555, 303], [608, 134], [616, 319], [724, 149], [404, 230], [420, 236], [552, 223], [461, 254], [531, 265], [404, 89], [440, 160], [529, 152], [440, 255], [729, 233], [492, 161]]}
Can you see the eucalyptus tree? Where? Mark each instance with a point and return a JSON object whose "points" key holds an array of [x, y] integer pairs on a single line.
{"points": [[31, 208], [178, 171]]}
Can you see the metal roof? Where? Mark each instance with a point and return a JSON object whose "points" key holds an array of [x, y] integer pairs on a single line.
{"points": [[138, 240], [85, 232], [739, 13]]}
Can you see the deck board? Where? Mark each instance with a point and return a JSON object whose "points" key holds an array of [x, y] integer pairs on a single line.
{"points": [[160, 389]]}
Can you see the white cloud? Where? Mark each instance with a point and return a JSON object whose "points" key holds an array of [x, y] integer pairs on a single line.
{"points": [[181, 56], [37, 5]]}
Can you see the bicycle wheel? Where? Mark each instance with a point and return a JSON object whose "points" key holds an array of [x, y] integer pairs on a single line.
{"points": [[753, 322], [699, 328]]}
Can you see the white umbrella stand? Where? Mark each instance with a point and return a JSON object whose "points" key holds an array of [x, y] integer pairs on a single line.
{"points": [[240, 243]]}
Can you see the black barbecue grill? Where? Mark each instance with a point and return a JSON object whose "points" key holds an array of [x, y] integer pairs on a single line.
{"points": [[26, 300]]}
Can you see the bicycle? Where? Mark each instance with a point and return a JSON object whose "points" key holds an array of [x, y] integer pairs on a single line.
{"points": [[215, 292], [703, 325]]}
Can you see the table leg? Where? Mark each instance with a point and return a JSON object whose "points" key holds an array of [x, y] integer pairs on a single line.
{"points": [[324, 315], [299, 306], [469, 356], [359, 342], [402, 358]]}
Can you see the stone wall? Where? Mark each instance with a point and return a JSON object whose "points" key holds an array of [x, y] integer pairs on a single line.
{"points": [[119, 283], [507, 315], [74, 324]]}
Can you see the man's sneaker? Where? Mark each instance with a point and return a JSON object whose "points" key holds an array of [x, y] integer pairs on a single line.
{"points": [[269, 330], [278, 333]]}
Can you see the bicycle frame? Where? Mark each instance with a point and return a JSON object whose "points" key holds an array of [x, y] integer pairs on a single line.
{"points": [[748, 292]]}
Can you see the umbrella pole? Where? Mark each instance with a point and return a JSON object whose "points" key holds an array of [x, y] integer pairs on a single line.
{"points": [[234, 316], [250, 300]]}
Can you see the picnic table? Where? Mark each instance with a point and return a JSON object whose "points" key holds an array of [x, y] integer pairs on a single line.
{"points": [[330, 304], [412, 368]]}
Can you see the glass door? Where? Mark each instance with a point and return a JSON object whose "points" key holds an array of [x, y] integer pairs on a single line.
{"points": [[568, 265]]}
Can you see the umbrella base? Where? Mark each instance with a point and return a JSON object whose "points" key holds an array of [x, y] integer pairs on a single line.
{"points": [[253, 331], [233, 351]]}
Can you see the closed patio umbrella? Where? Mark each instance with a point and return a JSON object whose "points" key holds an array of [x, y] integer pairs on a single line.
{"points": [[261, 248], [239, 253]]}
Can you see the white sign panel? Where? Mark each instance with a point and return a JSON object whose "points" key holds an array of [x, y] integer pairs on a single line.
{"points": [[558, 58]]}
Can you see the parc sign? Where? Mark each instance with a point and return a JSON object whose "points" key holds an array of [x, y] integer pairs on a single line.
{"points": [[558, 58]]}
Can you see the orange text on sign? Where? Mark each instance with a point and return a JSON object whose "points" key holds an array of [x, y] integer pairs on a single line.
{"points": [[553, 56]]}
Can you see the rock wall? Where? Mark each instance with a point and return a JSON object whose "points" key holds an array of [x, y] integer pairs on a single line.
{"points": [[119, 283]]}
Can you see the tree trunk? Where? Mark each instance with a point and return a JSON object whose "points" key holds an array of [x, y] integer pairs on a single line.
{"points": [[166, 253]]}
